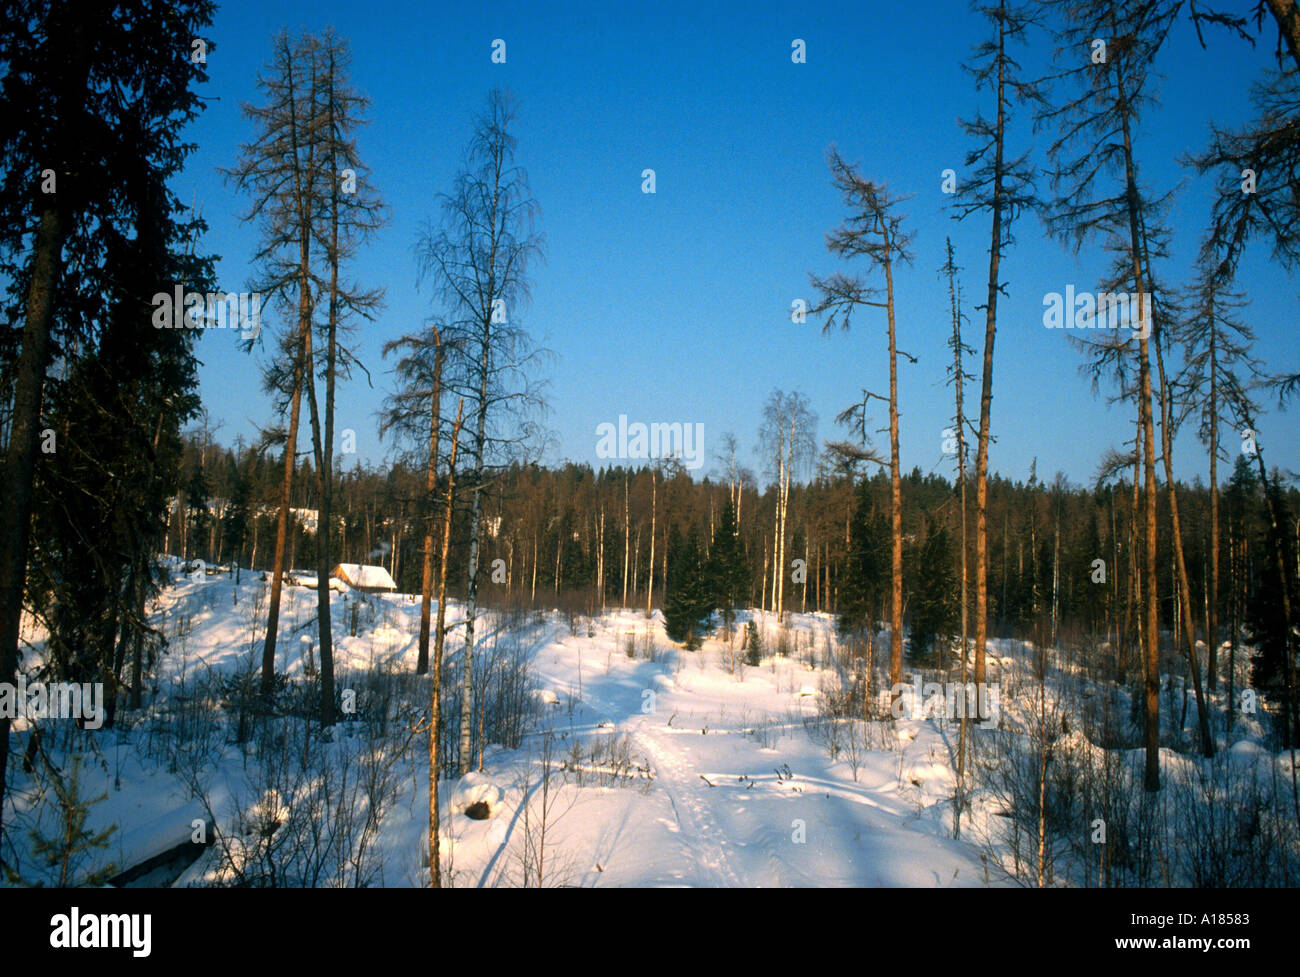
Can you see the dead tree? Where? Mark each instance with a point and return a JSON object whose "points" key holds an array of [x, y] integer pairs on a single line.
{"points": [[1109, 48], [873, 231], [1001, 186]]}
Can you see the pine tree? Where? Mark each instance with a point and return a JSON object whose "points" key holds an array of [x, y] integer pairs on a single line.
{"points": [[1002, 187], [349, 213], [72, 843], [1098, 194], [414, 412], [1218, 363], [283, 172]]}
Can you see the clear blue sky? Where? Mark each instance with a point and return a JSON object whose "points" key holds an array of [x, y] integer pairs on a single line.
{"points": [[675, 306]]}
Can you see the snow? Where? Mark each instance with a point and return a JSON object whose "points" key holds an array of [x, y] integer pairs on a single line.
{"points": [[476, 788], [365, 577], [670, 770]]}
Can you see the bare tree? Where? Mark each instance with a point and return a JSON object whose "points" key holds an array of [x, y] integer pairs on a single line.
{"points": [[1287, 16], [350, 213], [959, 377], [477, 261], [874, 232], [283, 171], [1002, 187], [654, 508], [1168, 428], [1217, 350], [1095, 144]]}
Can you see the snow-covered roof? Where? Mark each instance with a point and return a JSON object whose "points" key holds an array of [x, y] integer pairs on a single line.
{"points": [[364, 577]]}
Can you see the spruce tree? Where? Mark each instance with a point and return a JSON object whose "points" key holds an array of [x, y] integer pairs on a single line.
{"points": [[196, 492], [864, 585], [727, 571], [1266, 623], [688, 606], [935, 613], [236, 519], [753, 644], [79, 162]]}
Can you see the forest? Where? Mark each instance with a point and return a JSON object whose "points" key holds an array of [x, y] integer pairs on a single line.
{"points": [[781, 583]]}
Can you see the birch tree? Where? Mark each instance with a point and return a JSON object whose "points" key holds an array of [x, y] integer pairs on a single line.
{"points": [[788, 437], [477, 259]]}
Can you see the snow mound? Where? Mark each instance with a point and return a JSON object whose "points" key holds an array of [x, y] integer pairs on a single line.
{"points": [[1246, 750], [479, 794]]}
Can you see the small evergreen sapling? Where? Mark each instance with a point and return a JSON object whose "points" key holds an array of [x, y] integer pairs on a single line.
{"points": [[753, 644], [72, 842]]}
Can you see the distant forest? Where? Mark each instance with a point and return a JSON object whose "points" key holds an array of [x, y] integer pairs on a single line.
{"points": [[579, 539]]}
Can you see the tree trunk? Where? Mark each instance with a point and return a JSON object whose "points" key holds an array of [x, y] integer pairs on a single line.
{"points": [[1288, 24], [627, 538], [435, 695], [895, 484], [1151, 669], [282, 520], [650, 592], [430, 486], [20, 461], [1184, 586], [986, 384], [1212, 611]]}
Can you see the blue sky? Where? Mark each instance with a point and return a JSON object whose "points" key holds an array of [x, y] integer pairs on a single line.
{"points": [[675, 306]]}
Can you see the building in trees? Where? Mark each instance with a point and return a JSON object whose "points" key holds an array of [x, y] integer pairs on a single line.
{"points": [[367, 579]]}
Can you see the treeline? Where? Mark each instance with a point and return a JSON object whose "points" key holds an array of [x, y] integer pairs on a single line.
{"points": [[1064, 565]]}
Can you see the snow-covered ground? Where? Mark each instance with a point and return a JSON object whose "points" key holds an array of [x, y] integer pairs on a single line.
{"points": [[668, 767]]}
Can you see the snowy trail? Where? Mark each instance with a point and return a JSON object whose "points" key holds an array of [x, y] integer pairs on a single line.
{"points": [[676, 777]]}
